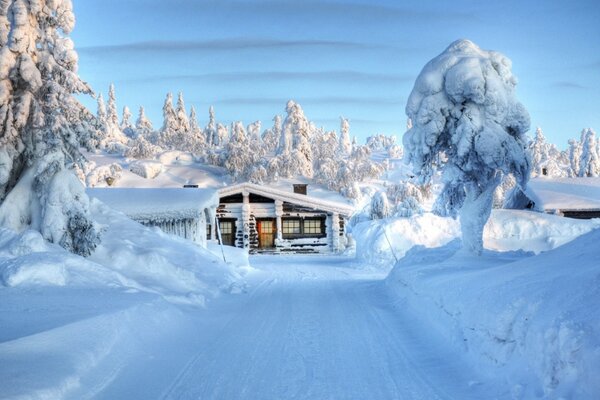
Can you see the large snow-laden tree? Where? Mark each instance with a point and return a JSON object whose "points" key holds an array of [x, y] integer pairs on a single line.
{"points": [[39, 121], [468, 123]]}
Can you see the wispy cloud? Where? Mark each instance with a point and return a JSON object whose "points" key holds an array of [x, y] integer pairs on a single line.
{"points": [[325, 100], [568, 85], [236, 44], [245, 76]]}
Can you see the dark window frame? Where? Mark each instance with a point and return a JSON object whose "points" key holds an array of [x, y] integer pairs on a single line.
{"points": [[302, 234]]}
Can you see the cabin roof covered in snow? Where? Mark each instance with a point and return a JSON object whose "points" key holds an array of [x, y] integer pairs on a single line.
{"points": [[157, 204], [341, 208], [565, 194]]}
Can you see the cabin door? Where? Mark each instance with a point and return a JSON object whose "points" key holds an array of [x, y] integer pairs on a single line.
{"points": [[266, 233], [228, 231]]}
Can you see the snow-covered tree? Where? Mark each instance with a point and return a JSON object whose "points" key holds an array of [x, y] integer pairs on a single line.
{"points": [[143, 126], [467, 121], [297, 127], [210, 131], [574, 157], [141, 148], [111, 107], [170, 123], [589, 163], [406, 198], [196, 134], [380, 206], [326, 158], [39, 119], [126, 125], [183, 123], [253, 130], [345, 144], [221, 136], [540, 153], [271, 136]]}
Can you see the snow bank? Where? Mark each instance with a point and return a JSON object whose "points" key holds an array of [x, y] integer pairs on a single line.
{"points": [[506, 230], [531, 231], [130, 256], [381, 242], [534, 321]]}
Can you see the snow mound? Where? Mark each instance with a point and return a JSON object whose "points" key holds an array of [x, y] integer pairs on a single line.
{"points": [[380, 243], [130, 256], [532, 320], [531, 231], [146, 169]]}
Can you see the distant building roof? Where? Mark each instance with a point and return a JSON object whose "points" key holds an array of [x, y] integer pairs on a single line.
{"points": [[157, 204], [564, 194]]}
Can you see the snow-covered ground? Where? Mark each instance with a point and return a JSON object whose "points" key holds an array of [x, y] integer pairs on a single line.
{"points": [[152, 316]]}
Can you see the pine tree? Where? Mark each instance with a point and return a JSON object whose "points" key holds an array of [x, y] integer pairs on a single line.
{"points": [[345, 145], [143, 125], [210, 131], [170, 123], [126, 125], [111, 107], [574, 157], [183, 123], [589, 164], [39, 120], [271, 136]]}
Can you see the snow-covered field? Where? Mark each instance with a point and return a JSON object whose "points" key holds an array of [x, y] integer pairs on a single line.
{"points": [[147, 323]]}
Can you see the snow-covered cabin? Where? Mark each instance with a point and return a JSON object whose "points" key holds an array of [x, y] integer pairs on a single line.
{"points": [[264, 219], [184, 212], [569, 197]]}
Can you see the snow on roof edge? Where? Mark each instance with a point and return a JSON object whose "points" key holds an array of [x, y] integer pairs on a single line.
{"points": [[277, 194]]}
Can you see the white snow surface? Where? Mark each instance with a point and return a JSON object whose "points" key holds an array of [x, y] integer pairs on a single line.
{"points": [[564, 193], [162, 204], [532, 322]]}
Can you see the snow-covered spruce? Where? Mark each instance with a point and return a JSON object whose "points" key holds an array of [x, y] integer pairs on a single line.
{"points": [[39, 123], [467, 121]]}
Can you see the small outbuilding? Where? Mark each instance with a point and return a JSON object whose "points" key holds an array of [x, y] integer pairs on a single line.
{"points": [[569, 197], [184, 212], [264, 219]]}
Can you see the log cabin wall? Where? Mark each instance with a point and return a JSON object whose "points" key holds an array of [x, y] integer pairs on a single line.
{"points": [[298, 229]]}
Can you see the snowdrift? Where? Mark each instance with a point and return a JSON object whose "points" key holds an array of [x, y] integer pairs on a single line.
{"points": [[70, 323], [506, 230], [532, 320], [130, 256]]}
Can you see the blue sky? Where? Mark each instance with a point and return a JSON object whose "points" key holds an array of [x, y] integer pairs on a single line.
{"points": [[358, 59]]}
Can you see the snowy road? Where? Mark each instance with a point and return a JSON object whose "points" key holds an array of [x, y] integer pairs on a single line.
{"points": [[308, 328]]}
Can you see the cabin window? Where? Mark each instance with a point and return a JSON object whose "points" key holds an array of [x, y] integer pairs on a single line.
{"points": [[313, 226], [296, 228], [208, 230], [290, 227]]}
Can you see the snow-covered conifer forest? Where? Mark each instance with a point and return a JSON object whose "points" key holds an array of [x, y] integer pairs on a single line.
{"points": [[178, 251]]}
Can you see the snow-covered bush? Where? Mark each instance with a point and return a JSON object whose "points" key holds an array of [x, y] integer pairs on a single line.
{"points": [[380, 206], [463, 108], [405, 198], [104, 175], [140, 148]]}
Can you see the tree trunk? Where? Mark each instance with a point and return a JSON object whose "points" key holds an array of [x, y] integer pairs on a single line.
{"points": [[474, 214]]}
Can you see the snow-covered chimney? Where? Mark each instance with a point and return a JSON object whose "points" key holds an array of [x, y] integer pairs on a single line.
{"points": [[300, 188]]}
